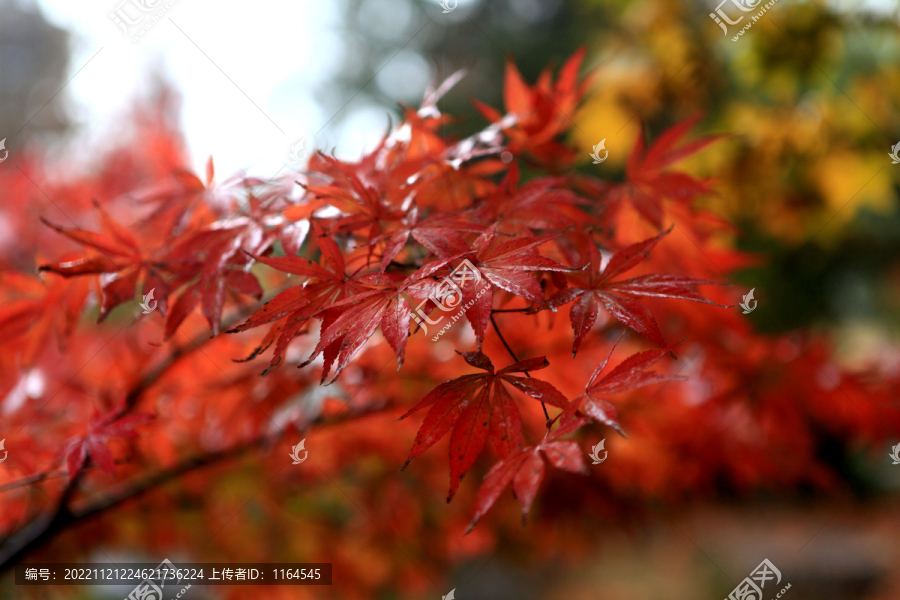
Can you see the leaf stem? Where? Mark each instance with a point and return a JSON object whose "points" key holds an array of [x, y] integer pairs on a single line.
{"points": [[513, 354]]}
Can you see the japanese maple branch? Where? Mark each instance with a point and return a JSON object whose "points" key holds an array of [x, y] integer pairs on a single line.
{"points": [[45, 527], [30, 536], [513, 354]]}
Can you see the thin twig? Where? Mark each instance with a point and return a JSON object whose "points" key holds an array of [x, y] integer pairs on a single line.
{"points": [[48, 475], [513, 354]]}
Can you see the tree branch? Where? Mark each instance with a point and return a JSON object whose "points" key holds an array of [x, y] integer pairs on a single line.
{"points": [[48, 525]]}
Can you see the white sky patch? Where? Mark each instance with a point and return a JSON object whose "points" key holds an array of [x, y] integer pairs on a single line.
{"points": [[246, 75]]}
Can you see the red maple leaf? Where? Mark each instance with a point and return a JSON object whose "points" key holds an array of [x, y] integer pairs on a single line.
{"points": [[43, 307], [477, 407], [648, 181], [524, 469], [620, 298], [440, 234], [118, 253], [630, 374], [540, 204], [93, 443], [221, 269], [362, 314], [510, 266], [326, 282], [348, 189], [543, 111]]}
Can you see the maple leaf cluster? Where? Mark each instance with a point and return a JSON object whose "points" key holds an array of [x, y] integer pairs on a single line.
{"points": [[354, 259]]}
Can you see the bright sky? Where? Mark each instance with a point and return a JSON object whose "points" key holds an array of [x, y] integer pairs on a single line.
{"points": [[246, 72]]}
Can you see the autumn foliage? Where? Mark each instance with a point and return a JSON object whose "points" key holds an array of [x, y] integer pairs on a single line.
{"points": [[287, 308]]}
